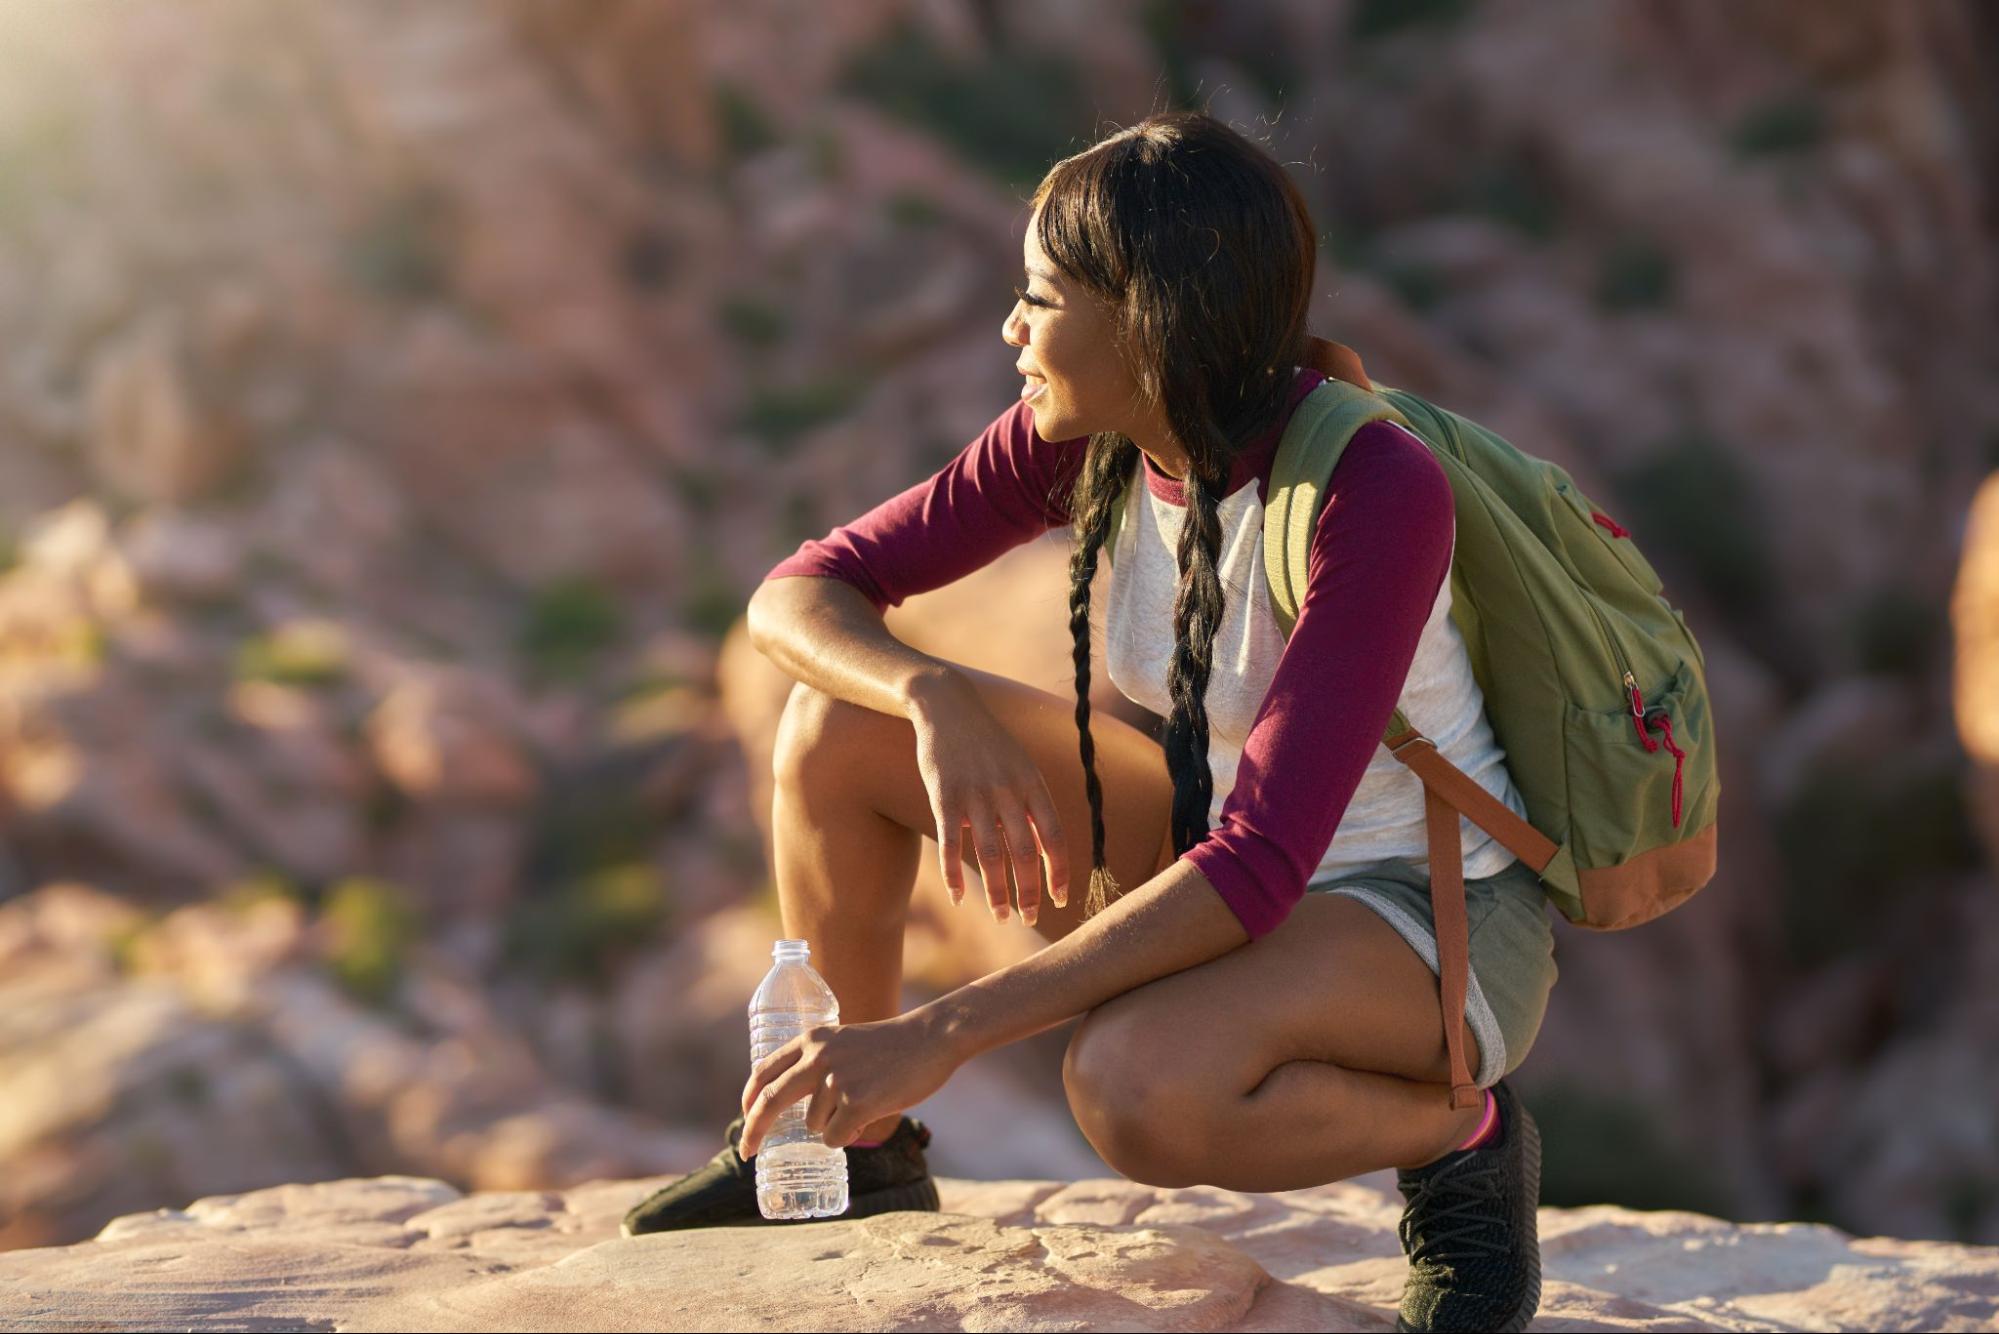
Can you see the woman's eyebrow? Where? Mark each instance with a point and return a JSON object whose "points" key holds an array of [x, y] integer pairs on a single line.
{"points": [[1042, 274]]}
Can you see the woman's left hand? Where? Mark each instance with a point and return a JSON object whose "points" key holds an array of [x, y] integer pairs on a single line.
{"points": [[855, 1074]]}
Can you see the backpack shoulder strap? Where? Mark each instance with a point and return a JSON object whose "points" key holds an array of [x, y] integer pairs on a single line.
{"points": [[1311, 448], [1337, 362]]}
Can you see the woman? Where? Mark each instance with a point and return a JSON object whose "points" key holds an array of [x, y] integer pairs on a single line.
{"points": [[1260, 1000]]}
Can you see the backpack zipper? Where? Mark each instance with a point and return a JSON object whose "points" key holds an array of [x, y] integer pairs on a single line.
{"points": [[1643, 720], [1616, 649]]}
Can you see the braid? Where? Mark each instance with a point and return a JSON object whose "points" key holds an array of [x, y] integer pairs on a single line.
{"points": [[1197, 616], [1105, 469]]}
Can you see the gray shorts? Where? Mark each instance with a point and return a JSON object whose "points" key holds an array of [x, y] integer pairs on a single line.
{"points": [[1512, 947]]}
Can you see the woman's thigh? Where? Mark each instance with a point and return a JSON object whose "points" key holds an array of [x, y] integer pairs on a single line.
{"points": [[1334, 983], [877, 752]]}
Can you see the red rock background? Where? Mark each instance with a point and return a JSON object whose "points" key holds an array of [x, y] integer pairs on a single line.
{"points": [[399, 403]]}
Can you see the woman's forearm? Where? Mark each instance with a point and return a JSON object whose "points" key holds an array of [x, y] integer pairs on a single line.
{"points": [[824, 632], [1173, 921]]}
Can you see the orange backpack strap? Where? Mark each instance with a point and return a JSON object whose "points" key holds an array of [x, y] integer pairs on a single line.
{"points": [[1338, 361], [1447, 790]]}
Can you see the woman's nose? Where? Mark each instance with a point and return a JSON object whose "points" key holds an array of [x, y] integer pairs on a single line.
{"points": [[1007, 327]]}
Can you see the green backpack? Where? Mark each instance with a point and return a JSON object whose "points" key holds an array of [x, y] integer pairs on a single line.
{"points": [[1593, 684]]}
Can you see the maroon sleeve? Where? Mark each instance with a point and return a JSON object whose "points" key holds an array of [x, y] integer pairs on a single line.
{"points": [[1004, 488], [1380, 552]]}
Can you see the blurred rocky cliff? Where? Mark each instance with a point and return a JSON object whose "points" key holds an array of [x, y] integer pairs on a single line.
{"points": [[398, 405]]}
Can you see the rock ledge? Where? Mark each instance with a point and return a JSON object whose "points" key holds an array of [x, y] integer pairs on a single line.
{"points": [[397, 1252]]}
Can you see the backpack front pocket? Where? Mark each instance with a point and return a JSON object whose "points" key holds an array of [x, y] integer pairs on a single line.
{"points": [[1633, 782]]}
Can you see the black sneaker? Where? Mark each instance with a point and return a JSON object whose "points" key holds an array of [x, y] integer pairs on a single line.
{"points": [[880, 1180], [1469, 1231]]}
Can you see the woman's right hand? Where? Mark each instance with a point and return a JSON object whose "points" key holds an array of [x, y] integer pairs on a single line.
{"points": [[979, 776]]}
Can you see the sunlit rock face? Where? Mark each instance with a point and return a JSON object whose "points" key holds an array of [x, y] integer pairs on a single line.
{"points": [[399, 1252]]}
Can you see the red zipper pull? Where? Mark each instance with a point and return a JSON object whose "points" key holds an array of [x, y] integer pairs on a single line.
{"points": [[1616, 529], [1638, 714], [1665, 721]]}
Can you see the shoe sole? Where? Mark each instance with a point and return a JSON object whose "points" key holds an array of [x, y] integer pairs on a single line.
{"points": [[917, 1195], [1529, 1304]]}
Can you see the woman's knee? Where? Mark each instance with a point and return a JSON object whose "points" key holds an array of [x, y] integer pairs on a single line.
{"points": [[1130, 1097], [816, 737]]}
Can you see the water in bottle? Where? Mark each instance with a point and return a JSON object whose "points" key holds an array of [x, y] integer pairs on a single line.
{"points": [[798, 1175]]}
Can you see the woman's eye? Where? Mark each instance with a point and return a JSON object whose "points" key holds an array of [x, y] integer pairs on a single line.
{"points": [[1030, 300]]}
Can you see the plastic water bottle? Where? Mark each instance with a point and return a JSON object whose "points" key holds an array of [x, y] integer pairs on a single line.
{"points": [[798, 1175]]}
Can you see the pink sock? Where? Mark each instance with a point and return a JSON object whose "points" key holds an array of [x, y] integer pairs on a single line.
{"points": [[1488, 1125]]}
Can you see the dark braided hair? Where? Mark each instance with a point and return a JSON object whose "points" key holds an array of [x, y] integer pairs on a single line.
{"points": [[1204, 251]]}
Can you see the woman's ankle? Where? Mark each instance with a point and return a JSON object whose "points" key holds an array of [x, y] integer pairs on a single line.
{"points": [[879, 1131]]}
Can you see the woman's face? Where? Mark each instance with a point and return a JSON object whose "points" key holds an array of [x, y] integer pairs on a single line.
{"points": [[1075, 381]]}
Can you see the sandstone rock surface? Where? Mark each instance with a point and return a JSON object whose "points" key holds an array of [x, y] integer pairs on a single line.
{"points": [[400, 1252]]}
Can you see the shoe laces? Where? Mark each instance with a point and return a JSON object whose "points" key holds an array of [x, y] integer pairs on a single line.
{"points": [[1468, 1190]]}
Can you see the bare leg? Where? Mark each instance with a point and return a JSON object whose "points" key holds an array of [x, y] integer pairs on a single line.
{"points": [[1310, 1055], [850, 812]]}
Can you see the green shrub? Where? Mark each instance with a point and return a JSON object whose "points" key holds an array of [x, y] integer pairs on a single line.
{"points": [[186, 1084], [585, 824], [302, 653], [1420, 286], [779, 414], [122, 942], [578, 931], [1513, 185], [1599, 1147], [753, 322], [826, 154], [1011, 114], [746, 130], [1898, 632], [1695, 508], [1789, 124], [403, 248], [713, 603], [370, 929], [257, 887], [700, 488], [1378, 18], [1164, 23], [913, 209], [798, 520], [1635, 274], [1967, 1200], [568, 624], [41, 157], [1844, 876]]}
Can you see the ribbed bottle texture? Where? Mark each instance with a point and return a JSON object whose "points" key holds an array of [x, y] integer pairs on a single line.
{"points": [[798, 1176]]}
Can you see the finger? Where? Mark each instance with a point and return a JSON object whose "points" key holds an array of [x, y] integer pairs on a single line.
{"points": [[845, 1127], [949, 827], [1026, 860], [770, 1103], [769, 1068], [825, 1102], [990, 845], [1048, 832]]}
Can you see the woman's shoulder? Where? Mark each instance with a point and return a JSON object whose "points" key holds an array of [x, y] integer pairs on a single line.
{"points": [[1386, 462], [1386, 487]]}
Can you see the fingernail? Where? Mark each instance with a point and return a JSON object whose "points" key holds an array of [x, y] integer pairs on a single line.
{"points": [[1000, 912], [1030, 918]]}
